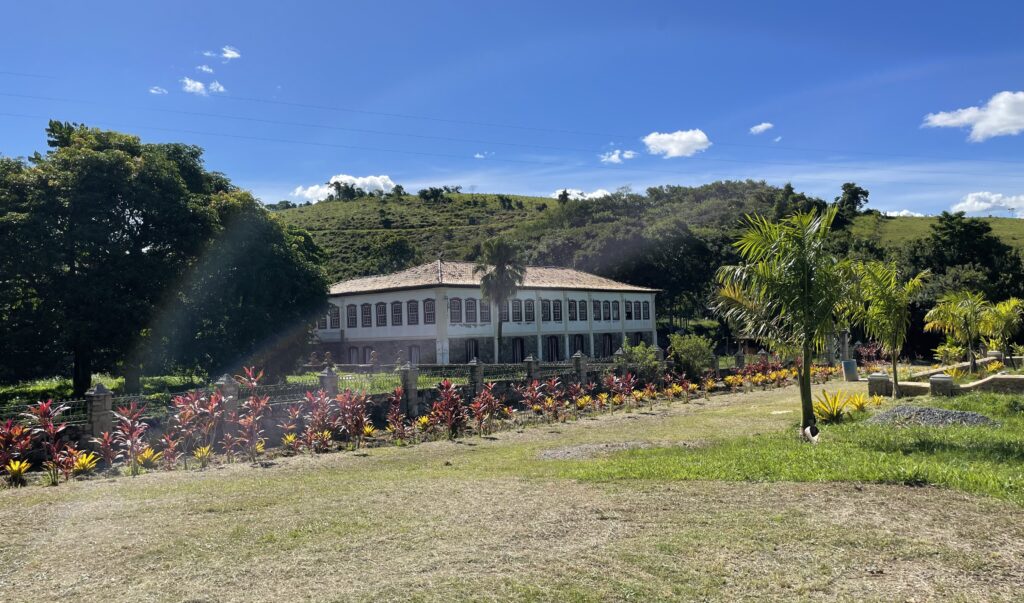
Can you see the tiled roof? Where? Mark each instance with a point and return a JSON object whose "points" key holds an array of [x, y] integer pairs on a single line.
{"points": [[461, 274]]}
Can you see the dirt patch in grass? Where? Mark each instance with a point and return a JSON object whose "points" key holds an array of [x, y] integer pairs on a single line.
{"points": [[586, 451]]}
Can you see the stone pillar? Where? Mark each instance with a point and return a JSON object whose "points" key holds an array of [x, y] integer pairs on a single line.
{"points": [[532, 367], [329, 382], [410, 377], [579, 365], [476, 376], [741, 360], [879, 384], [941, 385], [844, 346], [99, 401], [228, 387]]}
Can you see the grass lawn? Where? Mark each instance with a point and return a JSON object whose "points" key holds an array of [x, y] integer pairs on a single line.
{"points": [[724, 504]]}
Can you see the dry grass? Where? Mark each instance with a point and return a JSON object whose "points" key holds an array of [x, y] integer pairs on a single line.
{"points": [[490, 520]]}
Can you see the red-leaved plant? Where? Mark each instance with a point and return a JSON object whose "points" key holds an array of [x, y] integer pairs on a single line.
{"points": [[447, 411], [44, 418], [251, 416], [533, 396], [130, 434], [398, 427], [352, 407], [15, 441], [486, 407]]}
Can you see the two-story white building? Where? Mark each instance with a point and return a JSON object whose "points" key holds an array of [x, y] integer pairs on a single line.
{"points": [[434, 314]]}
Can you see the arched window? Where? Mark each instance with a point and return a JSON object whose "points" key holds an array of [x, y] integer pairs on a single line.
{"points": [[353, 355], [504, 312], [530, 310], [577, 344], [472, 349], [517, 310], [606, 345], [636, 310], [485, 310], [615, 311], [335, 315], [382, 314], [572, 310], [545, 310], [396, 314], [583, 310], [428, 311], [412, 312], [455, 310], [350, 316], [607, 307], [470, 310], [629, 311], [556, 310], [647, 310], [367, 355], [597, 310], [367, 315], [414, 354]]}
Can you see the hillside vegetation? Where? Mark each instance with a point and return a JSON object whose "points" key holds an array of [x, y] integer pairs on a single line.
{"points": [[894, 232]]}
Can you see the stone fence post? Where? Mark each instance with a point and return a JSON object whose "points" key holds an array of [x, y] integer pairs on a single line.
{"points": [[741, 360], [99, 401], [329, 382], [410, 379], [228, 388], [579, 364], [476, 376], [879, 384], [532, 367], [619, 358]]}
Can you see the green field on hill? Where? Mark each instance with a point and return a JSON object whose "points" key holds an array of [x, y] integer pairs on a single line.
{"points": [[893, 232]]}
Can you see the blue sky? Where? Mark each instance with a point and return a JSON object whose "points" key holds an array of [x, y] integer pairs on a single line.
{"points": [[532, 97]]}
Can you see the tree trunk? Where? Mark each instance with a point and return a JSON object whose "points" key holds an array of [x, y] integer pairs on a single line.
{"points": [[1008, 355], [81, 373], [806, 403], [132, 379], [895, 378]]}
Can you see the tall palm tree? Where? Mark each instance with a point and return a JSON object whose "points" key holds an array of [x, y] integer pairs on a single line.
{"points": [[959, 316], [1002, 323], [789, 290], [502, 273], [883, 307]]}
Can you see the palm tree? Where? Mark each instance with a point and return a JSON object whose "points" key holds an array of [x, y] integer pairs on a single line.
{"points": [[502, 274], [789, 290], [1002, 322], [959, 316], [883, 307]]}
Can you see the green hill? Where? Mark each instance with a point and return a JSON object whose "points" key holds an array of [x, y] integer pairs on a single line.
{"points": [[893, 232]]}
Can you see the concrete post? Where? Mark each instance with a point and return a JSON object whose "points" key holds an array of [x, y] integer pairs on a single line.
{"points": [[228, 387], [329, 382], [579, 365], [619, 358], [532, 367], [850, 370], [476, 375], [410, 376], [996, 354], [741, 360], [940, 385], [879, 384], [99, 400]]}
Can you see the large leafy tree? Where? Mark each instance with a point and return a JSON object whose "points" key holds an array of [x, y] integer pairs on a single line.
{"points": [[113, 228], [883, 307], [501, 271], [959, 316], [789, 290], [1002, 323]]}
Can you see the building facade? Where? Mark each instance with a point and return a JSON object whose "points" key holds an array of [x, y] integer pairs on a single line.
{"points": [[434, 314]]}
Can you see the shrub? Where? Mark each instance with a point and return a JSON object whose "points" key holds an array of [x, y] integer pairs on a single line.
{"points": [[16, 470], [858, 402], [15, 440], [45, 420], [204, 454], [448, 412], [107, 447], [397, 426], [485, 407], [830, 407], [354, 418], [692, 354], [994, 367], [129, 435], [149, 458], [85, 463], [642, 360], [949, 353], [250, 419]]}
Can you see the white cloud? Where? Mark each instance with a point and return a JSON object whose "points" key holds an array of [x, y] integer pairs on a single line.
{"points": [[209, 53], [985, 201], [204, 68], [483, 155], [157, 90], [616, 156], [777, 139], [216, 86], [316, 192], [761, 128], [230, 52], [1002, 115], [575, 193], [904, 213], [682, 143], [193, 86]]}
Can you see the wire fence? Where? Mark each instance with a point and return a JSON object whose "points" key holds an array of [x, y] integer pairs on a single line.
{"points": [[504, 372]]}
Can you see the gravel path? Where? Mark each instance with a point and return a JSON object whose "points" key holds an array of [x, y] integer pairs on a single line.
{"points": [[905, 416]]}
